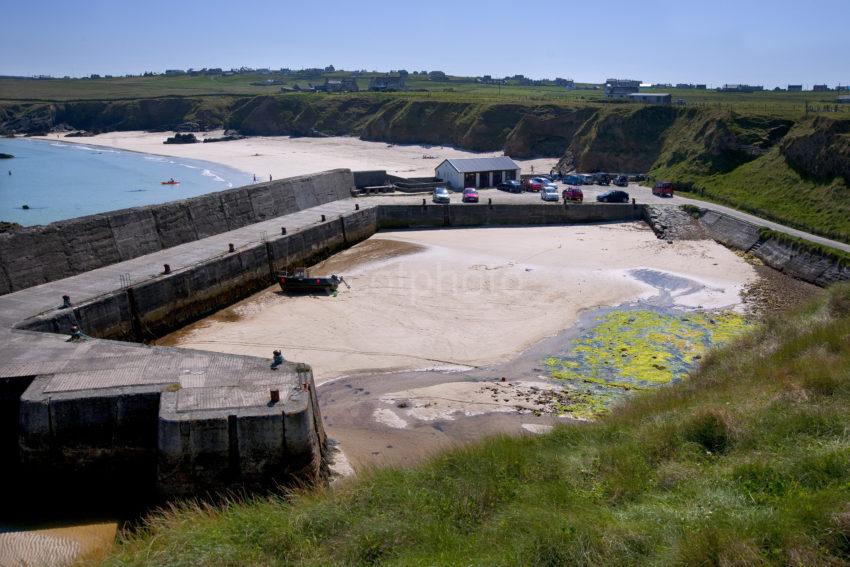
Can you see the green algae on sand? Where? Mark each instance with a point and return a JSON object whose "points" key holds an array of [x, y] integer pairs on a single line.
{"points": [[638, 349]]}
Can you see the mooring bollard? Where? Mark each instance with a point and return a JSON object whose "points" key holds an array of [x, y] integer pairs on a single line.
{"points": [[166, 269], [231, 248], [323, 218], [274, 395], [634, 201], [66, 302], [356, 206], [490, 203], [283, 230], [423, 202]]}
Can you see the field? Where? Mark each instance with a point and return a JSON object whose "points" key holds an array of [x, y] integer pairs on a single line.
{"points": [[464, 89], [745, 463]]}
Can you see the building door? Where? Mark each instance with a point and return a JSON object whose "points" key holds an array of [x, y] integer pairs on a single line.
{"points": [[468, 180], [497, 178], [510, 175]]}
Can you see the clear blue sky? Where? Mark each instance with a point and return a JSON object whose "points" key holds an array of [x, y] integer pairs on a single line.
{"points": [[714, 41]]}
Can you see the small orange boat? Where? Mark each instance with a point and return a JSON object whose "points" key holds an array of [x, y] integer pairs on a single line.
{"points": [[169, 182]]}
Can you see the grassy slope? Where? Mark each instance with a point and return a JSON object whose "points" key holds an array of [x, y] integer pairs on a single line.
{"points": [[765, 185], [748, 462]]}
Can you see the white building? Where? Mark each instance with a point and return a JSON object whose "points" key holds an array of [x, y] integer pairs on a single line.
{"points": [[477, 172]]}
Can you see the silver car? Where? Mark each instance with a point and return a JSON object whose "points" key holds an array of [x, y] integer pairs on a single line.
{"points": [[549, 193], [441, 195]]}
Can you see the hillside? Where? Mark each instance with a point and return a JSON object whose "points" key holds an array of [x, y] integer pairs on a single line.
{"points": [[747, 462], [789, 166]]}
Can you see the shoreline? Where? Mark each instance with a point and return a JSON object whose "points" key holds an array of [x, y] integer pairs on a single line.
{"points": [[286, 156]]}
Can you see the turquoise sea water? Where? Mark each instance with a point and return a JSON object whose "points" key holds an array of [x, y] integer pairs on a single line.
{"points": [[61, 180]]}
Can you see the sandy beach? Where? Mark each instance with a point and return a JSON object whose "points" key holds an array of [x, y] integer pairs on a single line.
{"points": [[283, 156], [463, 298]]}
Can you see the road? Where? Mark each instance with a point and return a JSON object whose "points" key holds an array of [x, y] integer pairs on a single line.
{"points": [[641, 194]]}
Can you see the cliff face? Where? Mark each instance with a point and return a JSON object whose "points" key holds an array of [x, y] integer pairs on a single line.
{"points": [[819, 149], [679, 143]]}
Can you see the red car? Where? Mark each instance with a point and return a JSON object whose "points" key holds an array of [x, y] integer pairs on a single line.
{"points": [[663, 189], [572, 193], [532, 185], [470, 195]]}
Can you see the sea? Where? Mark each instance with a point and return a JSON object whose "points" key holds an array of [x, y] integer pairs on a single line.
{"points": [[58, 180]]}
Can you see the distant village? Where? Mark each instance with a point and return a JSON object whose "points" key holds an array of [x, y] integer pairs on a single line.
{"points": [[317, 79]]}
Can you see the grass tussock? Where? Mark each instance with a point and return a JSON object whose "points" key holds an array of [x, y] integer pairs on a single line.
{"points": [[745, 463]]}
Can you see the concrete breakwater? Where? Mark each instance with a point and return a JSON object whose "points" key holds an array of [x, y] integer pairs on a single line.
{"points": [[39, 254], [103, 413], [182, 422]]}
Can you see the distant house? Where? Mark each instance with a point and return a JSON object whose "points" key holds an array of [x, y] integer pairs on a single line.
{"points": [[795, 88], [734, 88], [621, 88], [700, 87], [477, 172], [820, 88], [651, 98], [345, 84], [386, 84], [172, 72]]}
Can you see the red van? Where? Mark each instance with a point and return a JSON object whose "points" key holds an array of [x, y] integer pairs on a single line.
{"points": [[663, 189]]}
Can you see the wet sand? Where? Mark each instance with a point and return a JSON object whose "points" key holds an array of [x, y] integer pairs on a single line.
{"points": [[410, 360], [461, 298], [282, 156]]}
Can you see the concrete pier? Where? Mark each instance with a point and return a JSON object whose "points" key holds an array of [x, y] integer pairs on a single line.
{"points": [[173, 422]]}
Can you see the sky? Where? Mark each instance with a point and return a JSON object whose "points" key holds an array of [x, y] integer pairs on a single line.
{"points": [[709, 41]]}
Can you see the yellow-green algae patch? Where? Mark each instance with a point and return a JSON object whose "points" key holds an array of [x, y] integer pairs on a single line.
{"points": [[638, 349]]}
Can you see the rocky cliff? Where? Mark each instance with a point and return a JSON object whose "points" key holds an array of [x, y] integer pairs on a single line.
{"points": [[757, 161]]}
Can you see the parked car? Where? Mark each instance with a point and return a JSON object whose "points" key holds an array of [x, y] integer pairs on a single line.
{"points": [[441, 195], [602, 178], [532, 185], [663, 189], [470, 195], [587, 179], [573, 179], [549, 193], [613, 196], [510, 186], [621, 181], [573, 193]]}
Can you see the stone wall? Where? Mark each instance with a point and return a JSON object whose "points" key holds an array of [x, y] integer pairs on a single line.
{"points": [[806, 264], [40, 254]]}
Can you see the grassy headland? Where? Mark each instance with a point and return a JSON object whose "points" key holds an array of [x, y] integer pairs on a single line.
{"points": [[780, 155], [747, 462]]}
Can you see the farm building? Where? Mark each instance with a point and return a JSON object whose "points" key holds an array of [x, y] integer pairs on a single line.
{"points": [[651, 98], [621, 88], [345, 84], [386, 84], [843, 99], [477, 172], [795, 88]]}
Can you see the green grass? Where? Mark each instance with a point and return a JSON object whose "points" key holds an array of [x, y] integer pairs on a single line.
{"points": [[745, 463], [456, 89]]}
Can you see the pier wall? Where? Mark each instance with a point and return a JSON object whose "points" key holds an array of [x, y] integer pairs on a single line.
{"points": [[40, 254], [809, 265]]}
